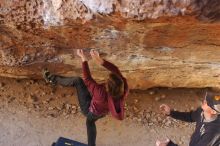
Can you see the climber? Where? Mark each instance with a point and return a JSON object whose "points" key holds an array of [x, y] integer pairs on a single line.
{"points": [[95, 99], [207, 119]]}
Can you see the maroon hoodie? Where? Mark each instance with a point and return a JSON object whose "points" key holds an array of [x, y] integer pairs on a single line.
{"points": [[102, 102]]}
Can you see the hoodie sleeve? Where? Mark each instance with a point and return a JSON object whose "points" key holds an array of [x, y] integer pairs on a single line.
{"points": [[116, 108], [111, 67], [88, 80], [114, 69], [191, 116], [115, 114]]}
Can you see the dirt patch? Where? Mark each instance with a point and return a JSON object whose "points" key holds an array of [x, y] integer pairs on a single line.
{"points": [[34, 113]]}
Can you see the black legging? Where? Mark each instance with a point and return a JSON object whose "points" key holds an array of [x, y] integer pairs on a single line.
{"points": [[84, 98]]}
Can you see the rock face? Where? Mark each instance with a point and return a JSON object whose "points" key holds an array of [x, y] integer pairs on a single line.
{"points": [[170, 52], [58, 12]]}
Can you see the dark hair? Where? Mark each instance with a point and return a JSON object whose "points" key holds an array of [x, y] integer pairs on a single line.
{"points": [[115, 86]]}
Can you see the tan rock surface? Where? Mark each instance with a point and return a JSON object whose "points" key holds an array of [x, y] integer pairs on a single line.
{"points": [[177, 52], [58, 12]]}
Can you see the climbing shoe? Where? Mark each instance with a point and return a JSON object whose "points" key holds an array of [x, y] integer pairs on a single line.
{"points": [[47, 76]]}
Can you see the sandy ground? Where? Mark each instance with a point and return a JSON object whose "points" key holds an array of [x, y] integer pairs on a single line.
{"points": [[33, 113]]}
